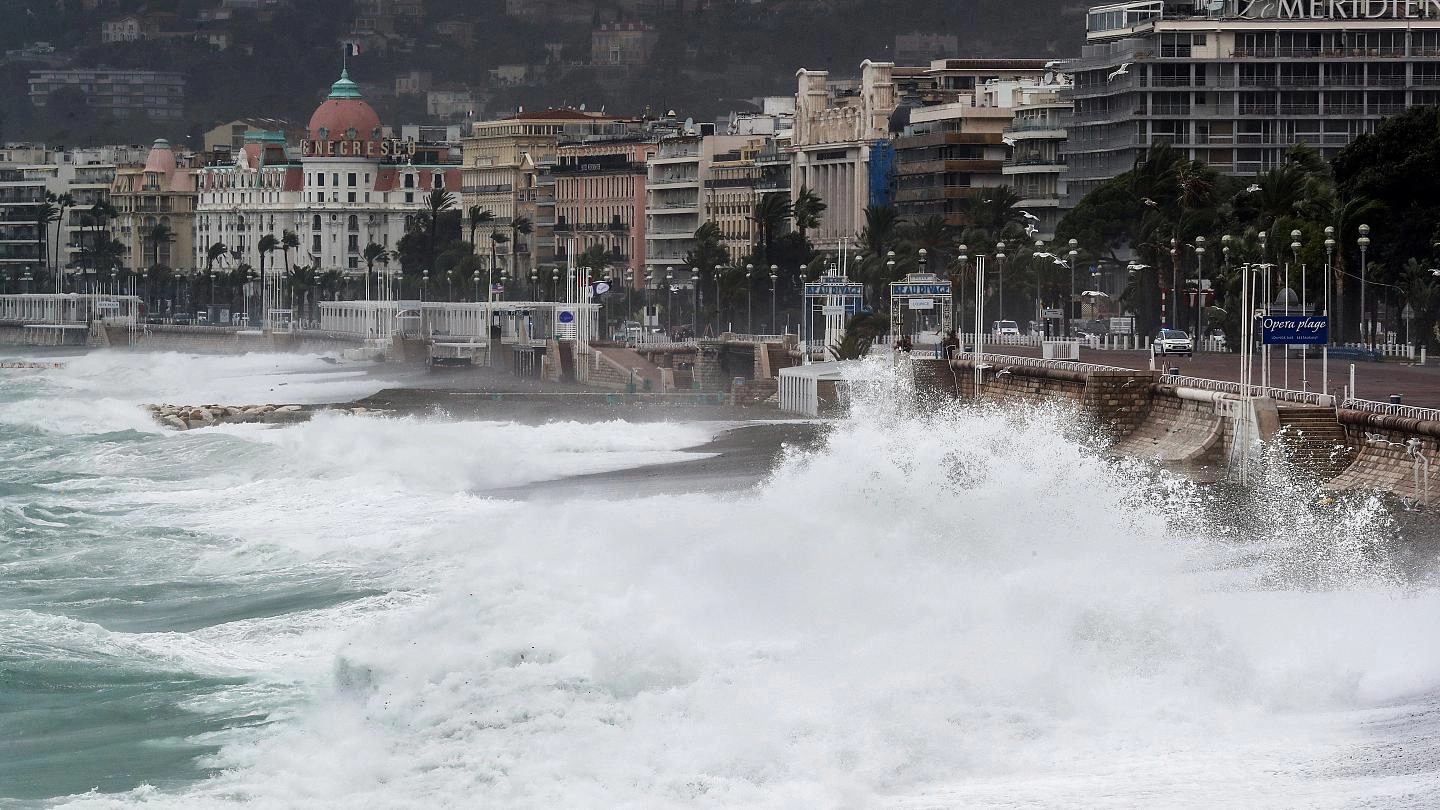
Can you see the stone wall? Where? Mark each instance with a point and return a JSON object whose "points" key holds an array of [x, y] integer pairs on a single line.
{"points": [[1384, 459]]}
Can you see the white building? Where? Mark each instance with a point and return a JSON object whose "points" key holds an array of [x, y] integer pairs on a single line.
{"points": [[348, 188], [676, 186]]}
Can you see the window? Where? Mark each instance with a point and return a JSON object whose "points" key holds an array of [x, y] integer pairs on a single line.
{"points": [[351, 178], [315, 244], [335, 179], [353, 223], [350, 197], [354, 243], [320, 179], [409, 181], [315, 222]]}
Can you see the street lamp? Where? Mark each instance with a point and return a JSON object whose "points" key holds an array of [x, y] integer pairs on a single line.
{"points": [[1000, 275], [1364, 243], [695, 303], [1199, 294], [669, 302], [1174, 283], [476, 278], [749, 293], [774, 275], [1074, 254], [962, 259], [1329, 264]]}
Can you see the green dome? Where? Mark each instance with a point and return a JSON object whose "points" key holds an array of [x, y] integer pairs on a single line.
{"points": [[344, 88]]}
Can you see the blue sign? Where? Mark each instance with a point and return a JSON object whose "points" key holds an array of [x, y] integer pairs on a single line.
{"points": [[853, 290], [1296, 330], [567, 317], [920, 289]]}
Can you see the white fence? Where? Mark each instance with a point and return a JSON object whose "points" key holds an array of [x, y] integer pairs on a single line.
{"points": [[519, 322]]}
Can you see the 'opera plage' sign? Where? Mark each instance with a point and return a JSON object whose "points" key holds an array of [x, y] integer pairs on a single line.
{"points": [[1340, 9], [377, 150]]}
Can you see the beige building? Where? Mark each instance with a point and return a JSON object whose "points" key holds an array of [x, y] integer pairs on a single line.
{"points": [[504, 164], [230, 136], [835, 131], [159, 193], [600, 199], [623, 44], [732, 190]]}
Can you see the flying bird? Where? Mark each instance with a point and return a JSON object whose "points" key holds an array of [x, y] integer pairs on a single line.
{"points": [[1137, 266], [1059, 262], [1124, 69], [1254, 187], [1043, 255], [1030, 229], [1435, 271], [1008, 141], [1029, 216], [1149, 202]]}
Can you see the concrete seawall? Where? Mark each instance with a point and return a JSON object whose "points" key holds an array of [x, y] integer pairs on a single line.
{"points": [[1201, 426]]}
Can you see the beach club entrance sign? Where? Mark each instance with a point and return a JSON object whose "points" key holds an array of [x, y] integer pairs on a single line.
{"points": [[1295, 330], [1339, 9]]}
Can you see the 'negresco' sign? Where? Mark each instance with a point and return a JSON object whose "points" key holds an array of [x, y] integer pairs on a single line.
{"points": [[390, 148], [1339, 9]]}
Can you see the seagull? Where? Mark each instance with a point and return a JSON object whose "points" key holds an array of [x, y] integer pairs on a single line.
{"points": [[1435, 271], [1008, 141], [1031, 230], [1254, 187], [1029, 216], [1059, 262], [1136, 266], [1124, 69], [1043, 255], [1149, 202], [1053, 62]]}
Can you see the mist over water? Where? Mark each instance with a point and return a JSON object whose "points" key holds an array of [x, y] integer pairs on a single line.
{"points": [[947, 607]]}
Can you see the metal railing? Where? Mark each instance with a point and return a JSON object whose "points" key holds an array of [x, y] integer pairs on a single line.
{"points": [[1036, 362], [1230, 387], [1390, 409]]}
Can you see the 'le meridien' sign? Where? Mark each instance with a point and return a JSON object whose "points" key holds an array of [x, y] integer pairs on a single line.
{"points": [[1340, 9]]}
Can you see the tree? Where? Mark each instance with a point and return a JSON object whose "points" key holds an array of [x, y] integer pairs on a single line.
{"points": [[373, 253], [708, 253], [45, 214], [1396, 167], [1421, 290], [771, 214], [62, 203], [479, 216], [289, 240], [860, 334], [214, 253], [156, 236], [267, 245], [519, 226], [807, 210]]}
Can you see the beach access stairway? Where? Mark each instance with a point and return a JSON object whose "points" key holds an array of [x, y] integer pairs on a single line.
{"points": [[1313, 439], [618, 367]]}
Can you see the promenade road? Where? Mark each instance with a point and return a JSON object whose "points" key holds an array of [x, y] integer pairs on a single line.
{"points": [[1419, 385]]}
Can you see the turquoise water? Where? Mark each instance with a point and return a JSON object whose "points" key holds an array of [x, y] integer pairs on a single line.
{"points": [[952, 609]]}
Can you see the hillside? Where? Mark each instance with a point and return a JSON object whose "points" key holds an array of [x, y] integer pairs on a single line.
{"points": [[279, 60]]}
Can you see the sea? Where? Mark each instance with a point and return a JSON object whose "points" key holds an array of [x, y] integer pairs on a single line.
{"points": [[930, 605]]}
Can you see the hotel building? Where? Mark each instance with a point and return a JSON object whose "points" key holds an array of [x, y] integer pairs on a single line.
{"points": [[1235, 83]]}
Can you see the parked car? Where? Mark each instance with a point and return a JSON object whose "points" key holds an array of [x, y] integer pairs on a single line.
{"points": [[1005, 328], [1173, 341], [682, 333]]}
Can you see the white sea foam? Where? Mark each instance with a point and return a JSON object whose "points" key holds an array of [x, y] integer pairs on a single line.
{"points": [[956, 609]]}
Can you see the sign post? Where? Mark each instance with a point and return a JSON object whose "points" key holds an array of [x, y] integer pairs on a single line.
{"points": [[836, 298]]}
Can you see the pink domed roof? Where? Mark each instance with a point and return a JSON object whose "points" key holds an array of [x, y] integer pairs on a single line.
{"points": [[344, 115], [161, 158]]}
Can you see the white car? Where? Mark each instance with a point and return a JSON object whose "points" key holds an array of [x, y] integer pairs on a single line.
{"points": [[1173, 341], [1005, 328]]}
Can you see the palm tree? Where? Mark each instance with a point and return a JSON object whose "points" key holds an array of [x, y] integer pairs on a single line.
{"points": [[98, 215], [45, 213], [373, 253], [289, 240], [807, 209], [479, 216], [771, 213], [497, 238], [437, 202], [156, 236], [62, 203], [519, 226], [267, 245]]}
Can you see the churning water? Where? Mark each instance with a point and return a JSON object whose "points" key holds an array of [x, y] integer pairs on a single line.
{"points": [[946, 609]]}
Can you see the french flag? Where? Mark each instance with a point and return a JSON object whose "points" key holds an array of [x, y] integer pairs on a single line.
{"points": [[352, 49]]}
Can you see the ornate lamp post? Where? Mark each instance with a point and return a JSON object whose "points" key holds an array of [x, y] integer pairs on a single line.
{"points": [[961, 259], [694, 302], [774, 275], [749, 294], [1000, 275], [1199, 294], [669, 302], [1364, 243], [1073, 255], [1329, 265]]}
